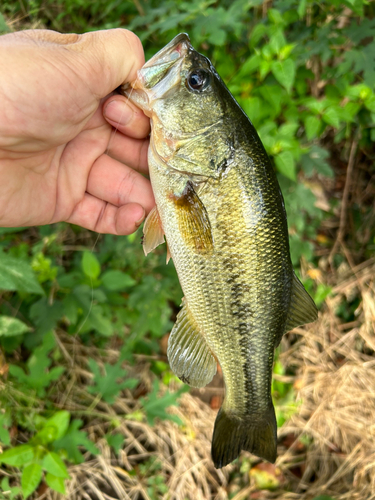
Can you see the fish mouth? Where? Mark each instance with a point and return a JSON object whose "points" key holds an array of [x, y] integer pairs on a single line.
{"points": [[161, 74]]}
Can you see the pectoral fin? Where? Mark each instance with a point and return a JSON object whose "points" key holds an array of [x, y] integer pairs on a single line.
{"points": [[153, 234], [193, 221], [188, 353], [302, 307]]}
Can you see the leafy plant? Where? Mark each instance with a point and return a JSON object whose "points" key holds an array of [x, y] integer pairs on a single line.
{"points": [[37, 456], [155, 405], [110, 383], [38, 376]]}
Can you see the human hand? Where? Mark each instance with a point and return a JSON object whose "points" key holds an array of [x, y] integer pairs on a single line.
{"points": [[59, 157]]}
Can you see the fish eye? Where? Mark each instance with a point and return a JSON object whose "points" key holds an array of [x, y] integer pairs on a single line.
{"points": [[198, 79]]}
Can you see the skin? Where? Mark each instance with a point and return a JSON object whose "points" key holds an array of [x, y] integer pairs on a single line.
{"points": [[59, 157]]}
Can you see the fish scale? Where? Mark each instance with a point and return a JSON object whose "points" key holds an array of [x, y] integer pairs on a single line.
{"points": [[220, 208]]}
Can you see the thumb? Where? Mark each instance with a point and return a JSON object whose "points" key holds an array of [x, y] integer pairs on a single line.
{"points": [[111, 58]]}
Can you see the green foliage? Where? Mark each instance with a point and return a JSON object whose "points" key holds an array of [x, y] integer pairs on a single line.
{"points": [[283, 396], [38, 456], [37, 376], [72, 440], [156, 487], [155, 406], [110, 383], [17, 275], [8, 492]]}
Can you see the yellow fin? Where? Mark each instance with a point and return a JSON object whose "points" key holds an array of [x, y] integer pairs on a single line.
{"points": [[188, 353], [193, 221], [302, 307], [153, 234]]}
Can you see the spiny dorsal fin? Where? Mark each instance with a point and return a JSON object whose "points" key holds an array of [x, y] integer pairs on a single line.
{"points": [[153, 234], [193, 221], [302, 307], [188, 353]]}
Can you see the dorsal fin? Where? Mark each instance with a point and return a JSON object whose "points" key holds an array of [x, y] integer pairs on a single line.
{"points": [[302, 307], [188, 353]]}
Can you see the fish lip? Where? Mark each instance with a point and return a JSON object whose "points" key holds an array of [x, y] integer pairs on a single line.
{"points": [[149, 84], [178, 43]]}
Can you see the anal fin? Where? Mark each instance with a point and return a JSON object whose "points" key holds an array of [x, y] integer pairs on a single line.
{"points": [[188, 353], [153, 234]]}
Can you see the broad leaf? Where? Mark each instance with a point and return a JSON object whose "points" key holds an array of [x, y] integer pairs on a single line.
{"points": [[53, 464], [55, 483], [284, 72], [286, 165], [115, 280], [31, 476], [10, 327], [17, 275], [90, 265], [18, 456], [60, 420]]}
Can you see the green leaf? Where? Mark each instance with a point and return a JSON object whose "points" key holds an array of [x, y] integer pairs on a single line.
{"points": [[72, 440], [155, 405], [54, 428], [312, 127], [331, 116], [4, 434], [60, 420], [17, 275], [301, 8], [18, 456], [31, 476], [264, 68], [90, 265], [45, 315], [286, 165], [55, 483], [250, 65], [257, 34], [12, 492], [115, 280], [111, 383], [53, 464], [10, 327], [277, 41], [316, 161], [4, 28], [284, 72], [116, 441]]}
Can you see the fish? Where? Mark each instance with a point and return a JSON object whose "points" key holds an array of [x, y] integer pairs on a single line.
{"points": [[220, 209]]}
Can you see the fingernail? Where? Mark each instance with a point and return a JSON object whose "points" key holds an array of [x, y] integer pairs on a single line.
{"points": [[139, 221], [118, 112]]}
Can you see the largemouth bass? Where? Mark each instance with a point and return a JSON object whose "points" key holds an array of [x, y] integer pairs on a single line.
{"points": [[219, 205]]}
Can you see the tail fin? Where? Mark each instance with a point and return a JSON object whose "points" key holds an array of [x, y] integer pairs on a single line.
{"points": [[251, 433]]}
